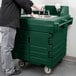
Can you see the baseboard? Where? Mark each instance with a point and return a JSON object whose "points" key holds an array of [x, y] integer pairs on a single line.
{"points": [[70, 58]]}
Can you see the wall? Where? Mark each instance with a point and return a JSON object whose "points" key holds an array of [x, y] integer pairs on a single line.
{"points": [[71, 35], [0, 2], [71, 39], [46, 2], [0, 29]]}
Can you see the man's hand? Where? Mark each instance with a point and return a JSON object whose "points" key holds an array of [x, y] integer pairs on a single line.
{"points": [[38, 8], [34, 15]]}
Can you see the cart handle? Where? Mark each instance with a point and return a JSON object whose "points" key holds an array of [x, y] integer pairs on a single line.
{"points": [[63, 23], [60, 24]]}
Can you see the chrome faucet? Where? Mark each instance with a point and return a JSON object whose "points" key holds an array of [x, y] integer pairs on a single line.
{"points": [[39, 13], [44, 11], [48, 12]]}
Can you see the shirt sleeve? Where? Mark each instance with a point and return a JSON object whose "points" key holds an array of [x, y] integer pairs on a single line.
{"points": [[31, 3], [25, 4]]}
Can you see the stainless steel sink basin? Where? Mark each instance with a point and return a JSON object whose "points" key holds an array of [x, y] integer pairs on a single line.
{"points": [[45, 16], [40, 16]]}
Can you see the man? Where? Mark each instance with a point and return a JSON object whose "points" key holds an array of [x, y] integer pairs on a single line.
{"points": [[9, 21]]}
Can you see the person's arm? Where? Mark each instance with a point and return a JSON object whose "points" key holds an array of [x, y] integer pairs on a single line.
{"points": [[25, 4]]}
